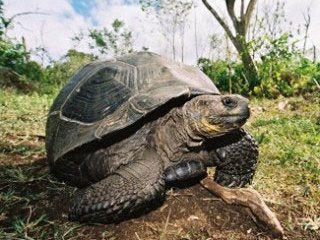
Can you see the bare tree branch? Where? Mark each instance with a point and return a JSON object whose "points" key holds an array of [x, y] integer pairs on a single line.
{"points": [[307, 20], [248, 14], [242, 9], [230, 8], [195, 32], [249, 198], [219, 19], [9, 21]]}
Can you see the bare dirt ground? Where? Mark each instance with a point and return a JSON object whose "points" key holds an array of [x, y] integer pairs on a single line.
{"points": [[37, 209]]}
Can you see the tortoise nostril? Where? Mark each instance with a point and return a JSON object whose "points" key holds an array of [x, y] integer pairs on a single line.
{"points": [[229, 102]]}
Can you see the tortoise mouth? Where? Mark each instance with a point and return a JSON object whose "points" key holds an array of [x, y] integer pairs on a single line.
{"points": [[240, 118], [237, 119]]}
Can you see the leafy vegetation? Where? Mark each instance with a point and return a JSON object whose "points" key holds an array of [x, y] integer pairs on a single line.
{"points": [[57, 74], [16, 69], [114, 41], [283, 70]]}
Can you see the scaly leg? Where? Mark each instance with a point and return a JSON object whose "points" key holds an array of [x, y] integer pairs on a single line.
{"points": [[184, 171], [236, 162], [128, 189]]}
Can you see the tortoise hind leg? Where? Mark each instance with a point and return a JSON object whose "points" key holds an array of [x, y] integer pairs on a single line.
{"points": [[122, 193]]}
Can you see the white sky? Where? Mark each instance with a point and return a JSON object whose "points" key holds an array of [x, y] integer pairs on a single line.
{"points": [[61, 22]]}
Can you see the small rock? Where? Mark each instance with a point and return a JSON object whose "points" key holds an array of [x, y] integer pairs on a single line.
{"points": [[282, 105], [192, 218]]}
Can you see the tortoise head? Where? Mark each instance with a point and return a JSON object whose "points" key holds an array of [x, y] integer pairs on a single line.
{"points": [[214, 115]]}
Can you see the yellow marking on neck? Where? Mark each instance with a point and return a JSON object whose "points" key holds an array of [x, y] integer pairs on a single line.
{"points": [[209, 128]]}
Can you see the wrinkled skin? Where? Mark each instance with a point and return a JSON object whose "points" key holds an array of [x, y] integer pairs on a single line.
{"points": [[234, 155], [122, 174]]}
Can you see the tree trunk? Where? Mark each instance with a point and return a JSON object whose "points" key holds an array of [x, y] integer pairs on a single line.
{"points": [[251, 71], [173, 45], [195, 33], [239, 41]]}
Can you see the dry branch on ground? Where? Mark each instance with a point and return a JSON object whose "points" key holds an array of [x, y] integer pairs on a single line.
{"points": [[249, 198]]}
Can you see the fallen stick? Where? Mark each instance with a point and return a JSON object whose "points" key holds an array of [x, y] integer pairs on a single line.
{"points": [[249, 198]]}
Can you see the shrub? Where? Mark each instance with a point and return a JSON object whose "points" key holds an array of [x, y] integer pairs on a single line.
{"points": [[283, 70], [227, 76], [57, 74], [16, 70]]}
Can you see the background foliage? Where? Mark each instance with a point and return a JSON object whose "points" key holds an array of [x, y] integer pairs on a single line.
{"points": [[283, 71], [283, 68]]}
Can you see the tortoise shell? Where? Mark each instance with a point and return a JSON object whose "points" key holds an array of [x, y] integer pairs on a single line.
{"points": [[108, 96]]}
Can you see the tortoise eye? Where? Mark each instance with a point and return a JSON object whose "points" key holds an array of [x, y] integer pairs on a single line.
{"points": [[229, 102]]}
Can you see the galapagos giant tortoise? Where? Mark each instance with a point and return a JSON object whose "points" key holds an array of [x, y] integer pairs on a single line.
{"points": [[125, 129]]}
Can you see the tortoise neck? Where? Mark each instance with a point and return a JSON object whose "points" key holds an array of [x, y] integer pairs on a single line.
{"points": [[174, 137], [185, 130], [195, 137]]}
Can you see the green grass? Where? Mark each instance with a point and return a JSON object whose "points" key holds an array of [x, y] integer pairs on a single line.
{"points": [[23, 115], [22, 123], [289, 164], [288, 174]]}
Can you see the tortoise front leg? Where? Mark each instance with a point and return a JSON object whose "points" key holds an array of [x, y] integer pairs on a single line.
{"points": [[184, 171], [236, 162], [122, 193]]}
